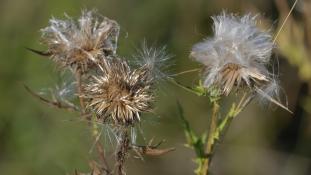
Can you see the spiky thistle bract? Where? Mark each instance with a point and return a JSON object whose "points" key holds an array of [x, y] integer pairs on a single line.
{"points": [[118, 93]]}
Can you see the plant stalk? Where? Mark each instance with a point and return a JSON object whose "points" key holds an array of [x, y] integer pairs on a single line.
{"points": [[210, 142], [123, 148]]}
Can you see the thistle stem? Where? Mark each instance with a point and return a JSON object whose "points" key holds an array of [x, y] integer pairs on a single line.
{"points": [[123, 148], [210, 142], [217, 130]]}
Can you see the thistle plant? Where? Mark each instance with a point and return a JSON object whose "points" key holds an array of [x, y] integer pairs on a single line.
{"points": [[111, 90], [114, 92], [236, 59]]}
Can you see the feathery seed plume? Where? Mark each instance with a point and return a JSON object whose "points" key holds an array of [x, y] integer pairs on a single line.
{"points": [[156, 59], [237, 54]]}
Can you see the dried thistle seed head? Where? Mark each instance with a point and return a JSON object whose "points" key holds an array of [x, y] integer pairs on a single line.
{"points": [[80, 44], [120, 94], [237, 54]]}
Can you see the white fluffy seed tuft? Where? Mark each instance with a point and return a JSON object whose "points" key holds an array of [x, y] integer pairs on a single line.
{"points": [[155, 59], [237, 56]]}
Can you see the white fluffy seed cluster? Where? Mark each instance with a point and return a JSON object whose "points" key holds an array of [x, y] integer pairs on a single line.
{"points": [[237, 56]]}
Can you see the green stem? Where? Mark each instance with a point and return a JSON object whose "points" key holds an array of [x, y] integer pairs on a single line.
{"points": [[187, 71], [225, 123], [210, 142], [182, 86], [233, 112], [217, 131]]}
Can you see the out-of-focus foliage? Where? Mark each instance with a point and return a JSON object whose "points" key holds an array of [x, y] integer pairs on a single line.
{"points": [[294, 40], [37, 139]]}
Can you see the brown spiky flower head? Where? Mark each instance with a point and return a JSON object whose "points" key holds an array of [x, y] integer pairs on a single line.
{"points": [[119, 94], [79, 45], [237, 55]]}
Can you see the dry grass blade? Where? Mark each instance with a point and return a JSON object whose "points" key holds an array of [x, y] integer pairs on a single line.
{"points": [[286, 18]]}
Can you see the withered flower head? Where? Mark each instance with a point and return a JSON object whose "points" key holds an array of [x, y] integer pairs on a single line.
{"points": [[237, 55], [80, 44], [119, 94]]}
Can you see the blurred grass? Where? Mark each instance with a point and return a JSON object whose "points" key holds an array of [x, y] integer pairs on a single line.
{"points": [[36, 139]]}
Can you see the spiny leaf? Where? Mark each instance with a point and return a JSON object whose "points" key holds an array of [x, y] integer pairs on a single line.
{"points": [[193, 141]]}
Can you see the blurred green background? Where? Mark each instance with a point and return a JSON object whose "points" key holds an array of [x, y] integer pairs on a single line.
{"points": [[36, 139]]}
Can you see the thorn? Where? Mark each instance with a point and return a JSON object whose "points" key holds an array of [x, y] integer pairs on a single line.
{"points": [[42, 53]]}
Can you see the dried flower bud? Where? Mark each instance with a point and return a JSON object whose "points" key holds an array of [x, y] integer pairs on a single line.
{"points": [[79, 45], [120, 94], [237, 54]]}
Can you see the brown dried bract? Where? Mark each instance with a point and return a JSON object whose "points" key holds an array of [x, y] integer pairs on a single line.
{"points": [[118, 93], [80, 45]]}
